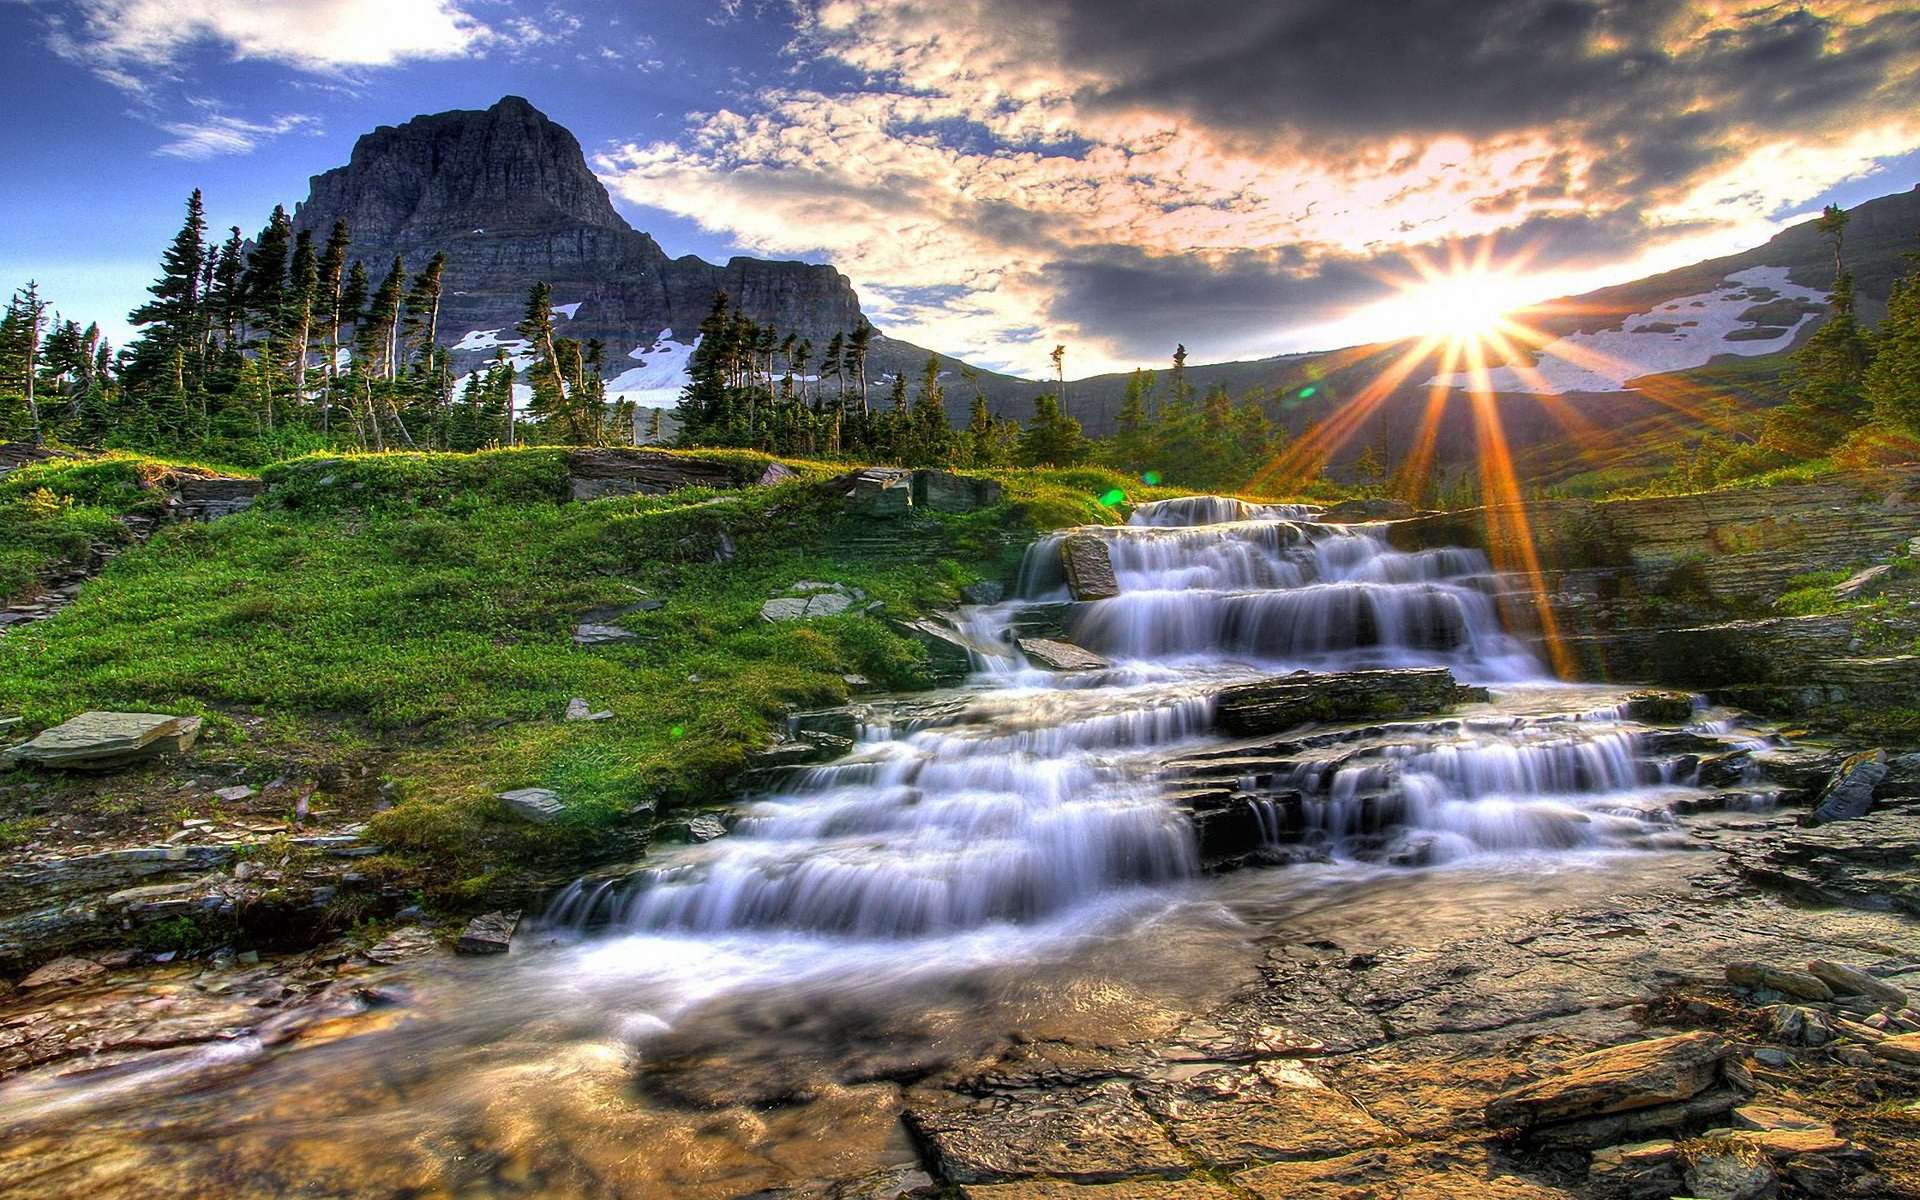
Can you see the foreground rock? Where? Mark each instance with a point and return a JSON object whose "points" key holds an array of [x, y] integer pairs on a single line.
{"points": [[535, 805], [1641, 1075], [1850, 795], [949, 657], [1276, 705], [491, 933], [99, 741]]}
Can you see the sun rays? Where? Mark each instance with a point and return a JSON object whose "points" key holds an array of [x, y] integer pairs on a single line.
{"points": [[1476, 318]]}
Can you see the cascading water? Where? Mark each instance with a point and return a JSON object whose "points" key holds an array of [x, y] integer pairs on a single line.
{"points": [[1043, 793]]}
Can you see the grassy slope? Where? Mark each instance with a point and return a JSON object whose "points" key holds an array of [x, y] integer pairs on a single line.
{"points": [[420, 607]]}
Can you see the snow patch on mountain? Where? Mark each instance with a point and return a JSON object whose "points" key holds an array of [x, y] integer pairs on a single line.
{"points": [[1756, 311], [568, 310], [662, 372]]}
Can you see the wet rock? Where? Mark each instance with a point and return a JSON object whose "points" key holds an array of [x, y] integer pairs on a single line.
{"points": [[1902, 1049], [96, 741], [1278, 704], [1867, 863], [61, 971], [1135, 1189], [949, 658], [1435, 1171], [943, 491], [1636, 1171], [1377, 509], [1270, 1110], [703, 828], [619, 471], [1849, 795], [1851, 981], [842, 722], [1658, 708], [989, 592], [1060, 656], [408, 941], [534, 805], [1729, 1177], [1095, 1134], [1638, 1075], [1089, 567], [1784, 980], [490, 933], [590, 634]]}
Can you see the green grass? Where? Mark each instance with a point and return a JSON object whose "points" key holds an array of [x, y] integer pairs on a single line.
{"points": [[421, 607]]}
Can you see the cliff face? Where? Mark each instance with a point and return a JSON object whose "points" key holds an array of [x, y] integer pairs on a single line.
{"points": [[508, 195]]}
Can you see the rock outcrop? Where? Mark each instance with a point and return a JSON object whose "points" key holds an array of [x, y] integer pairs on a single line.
{"points": [[1276, 705], [507, 195]]}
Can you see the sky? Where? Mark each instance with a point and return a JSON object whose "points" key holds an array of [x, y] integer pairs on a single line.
{"points": [[1246, 177]]}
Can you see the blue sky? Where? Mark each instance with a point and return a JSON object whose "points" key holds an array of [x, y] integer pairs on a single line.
{"points": [[1001, 175]]}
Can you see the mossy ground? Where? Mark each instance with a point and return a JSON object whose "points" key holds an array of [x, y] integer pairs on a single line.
{"points": [[416, 611]]}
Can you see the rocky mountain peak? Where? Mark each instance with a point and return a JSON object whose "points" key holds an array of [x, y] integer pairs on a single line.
{"points": [[504, 169]]}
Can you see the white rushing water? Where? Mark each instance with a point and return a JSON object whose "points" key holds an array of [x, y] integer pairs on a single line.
{"points": [[1041, 795]]}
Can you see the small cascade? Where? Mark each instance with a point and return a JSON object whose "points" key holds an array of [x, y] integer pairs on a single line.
{"points": [[1039, 794]]}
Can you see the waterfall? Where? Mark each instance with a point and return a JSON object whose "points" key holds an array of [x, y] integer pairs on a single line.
{"points": [[1044, 792]]}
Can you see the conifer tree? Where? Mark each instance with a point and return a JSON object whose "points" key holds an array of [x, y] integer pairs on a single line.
{"points": [[173, 319], [1051, 438]]}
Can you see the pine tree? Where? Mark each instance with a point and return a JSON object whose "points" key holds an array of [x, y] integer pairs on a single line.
{"points": [[174, 319], [1891, 386], [1051, 438]]}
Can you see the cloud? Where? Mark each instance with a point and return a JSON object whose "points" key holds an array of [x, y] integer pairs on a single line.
{"points": [[126, 40], [217, 135], [997, 175]]}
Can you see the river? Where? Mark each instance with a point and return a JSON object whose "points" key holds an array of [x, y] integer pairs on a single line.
{"points": [[1002, 862]]}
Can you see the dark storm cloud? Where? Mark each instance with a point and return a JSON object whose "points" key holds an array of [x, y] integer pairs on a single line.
{"points": [[1617, 76]]}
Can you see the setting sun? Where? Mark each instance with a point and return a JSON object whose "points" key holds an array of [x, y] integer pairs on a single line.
{"points": [[1464, 300]]}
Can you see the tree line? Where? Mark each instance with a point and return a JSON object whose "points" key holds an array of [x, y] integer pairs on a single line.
{"points": [[249, 350]]}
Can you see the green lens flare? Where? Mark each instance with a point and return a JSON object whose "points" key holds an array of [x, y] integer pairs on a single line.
{"points": [[1114, 497], [1151, 479], [678, 731], [1307, 391]]}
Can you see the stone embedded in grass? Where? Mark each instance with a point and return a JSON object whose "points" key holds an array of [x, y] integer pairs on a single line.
{"points": [[536, 805], [489, 933], [579, 710], [98, 741], [590, 634], [234, 794], [1863, 585]]}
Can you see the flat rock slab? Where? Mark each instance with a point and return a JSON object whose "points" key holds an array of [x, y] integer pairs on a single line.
{"points": [[1268, 1111], [95, 741], [1050, 655], [949, 657], [1137, 1189], [1618, 1079], [795, 608], [535, 805], [1852, 981], [1417, 1172], [1278, 704], [1098, 1134], [1849, 795], [588, 633], [62, 970], [1902, 1049], [490, 933]]}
